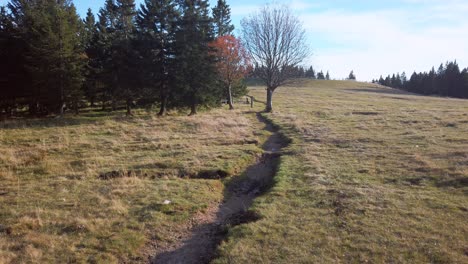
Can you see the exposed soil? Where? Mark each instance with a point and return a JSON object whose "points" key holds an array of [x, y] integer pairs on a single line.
{"points": [[200, 243]]}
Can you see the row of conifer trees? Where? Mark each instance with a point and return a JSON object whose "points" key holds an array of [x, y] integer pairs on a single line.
{"points": [[448, 80], [53, 61]]}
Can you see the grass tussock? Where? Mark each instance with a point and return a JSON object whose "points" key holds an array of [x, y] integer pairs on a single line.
{"points": [[54, 207], [373, 175]]}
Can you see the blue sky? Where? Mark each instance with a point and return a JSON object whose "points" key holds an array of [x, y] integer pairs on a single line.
{"points": [[371, 37]]}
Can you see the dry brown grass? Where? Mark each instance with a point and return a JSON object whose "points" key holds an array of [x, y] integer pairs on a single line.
{"points": [[373, 175], [54, 208]]}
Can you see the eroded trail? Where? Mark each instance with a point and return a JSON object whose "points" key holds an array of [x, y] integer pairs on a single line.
{"points": [[200, 244]]}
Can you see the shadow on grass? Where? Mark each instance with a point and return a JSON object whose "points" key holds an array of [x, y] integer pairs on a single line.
{"points": [[390, 91], [47, 122], [200, 246], [85, 117]]}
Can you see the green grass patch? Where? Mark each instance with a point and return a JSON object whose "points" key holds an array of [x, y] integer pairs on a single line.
{"points": [[371, 175], [56, 206]]}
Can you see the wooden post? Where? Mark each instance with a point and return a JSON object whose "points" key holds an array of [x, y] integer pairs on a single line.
{"points": [[251, 101]]}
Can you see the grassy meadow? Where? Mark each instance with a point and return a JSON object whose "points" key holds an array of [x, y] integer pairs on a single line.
{"points": [[91, 188], [373, 175]]}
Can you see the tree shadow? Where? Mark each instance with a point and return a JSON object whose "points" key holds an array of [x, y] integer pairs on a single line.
{"points": [[256, 180], [389, 91], [83, 118]]}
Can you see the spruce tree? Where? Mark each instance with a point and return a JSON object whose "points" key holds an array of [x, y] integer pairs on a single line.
{"points": [[464, 86], [310, 73], [404, 79], [102, 63], [222, 19], [13, 82], [123, 55], [381, 80], [398, 83], [116, 61], [90, 45], [195, 63], [452, 79], [54, 55], [17, 14], [89, 28], [320, 76], [157, 25]]}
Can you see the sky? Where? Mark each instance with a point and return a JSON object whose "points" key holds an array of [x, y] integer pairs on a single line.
{"points": [[370, 37]]}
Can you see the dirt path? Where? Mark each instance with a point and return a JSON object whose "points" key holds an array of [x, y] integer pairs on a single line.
{"points": [[199, 245]]}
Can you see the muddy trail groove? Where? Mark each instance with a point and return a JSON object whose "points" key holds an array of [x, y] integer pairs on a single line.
{"points": [[199, 245]]}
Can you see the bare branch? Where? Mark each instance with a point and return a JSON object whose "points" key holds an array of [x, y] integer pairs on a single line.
{"points": [[276, 42]]}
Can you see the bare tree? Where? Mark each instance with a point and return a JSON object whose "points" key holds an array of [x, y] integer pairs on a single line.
{"points": [[276, 42]]}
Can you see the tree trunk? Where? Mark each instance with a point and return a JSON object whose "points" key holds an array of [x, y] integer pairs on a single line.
{"points": [[231, 106], [193, 107], [93, 98], [76, 107], [62, 98], [9, 111], [269, 103], [114, 104], [33, 108], [62, 109], [163, 109], [193, 110], [129, 108]]}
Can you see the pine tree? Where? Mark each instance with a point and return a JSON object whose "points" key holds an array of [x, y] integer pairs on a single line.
{"points": [[464, 86], [89, 28], [20, 32], [102, 63], [431, 82], [54, 55], [404, 79], [301, 72], [453, 79], [393, 81], [13, 82], [352, 76], [117, 62], [157, 25], [90, 45], [222, 19], [310, 73], [387, 81], [327, 76], [448, 80], [123, 55], [398, 83], [196, 72], [320, 76]]}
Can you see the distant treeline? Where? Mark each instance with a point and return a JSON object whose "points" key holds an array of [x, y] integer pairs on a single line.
{"points": [[52, 60], [448, 80], [308, 73], [302, 72]]}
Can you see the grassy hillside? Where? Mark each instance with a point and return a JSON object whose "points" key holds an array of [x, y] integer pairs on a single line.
{"points": [[372, 175], [92, 188]]}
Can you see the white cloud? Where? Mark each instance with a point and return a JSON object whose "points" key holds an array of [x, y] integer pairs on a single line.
{"points": [[388, 41], [243, 10], [247, 9]]}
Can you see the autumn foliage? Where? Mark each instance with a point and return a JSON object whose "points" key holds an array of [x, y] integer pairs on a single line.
{"points": [[232, 62]]}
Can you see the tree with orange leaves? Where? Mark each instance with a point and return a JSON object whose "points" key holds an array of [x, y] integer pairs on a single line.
{"points": [[232, 62]]}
